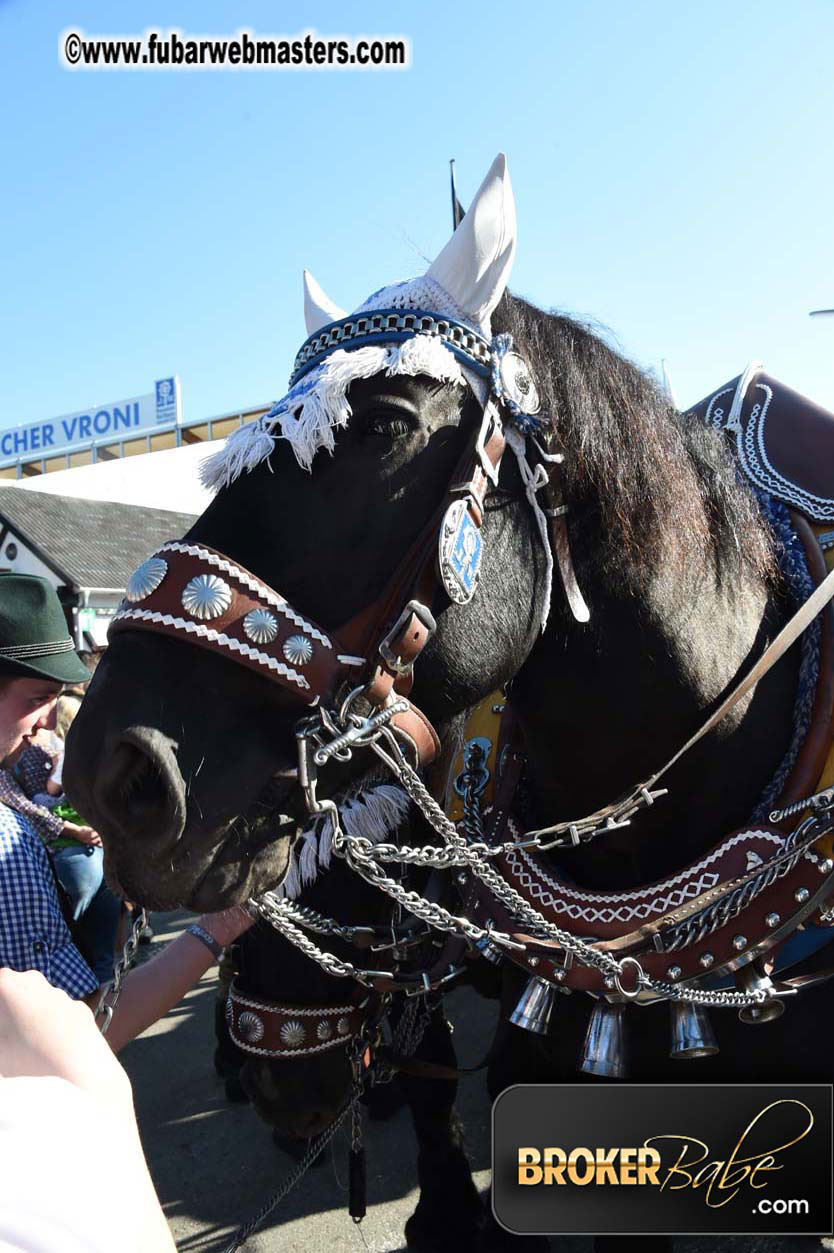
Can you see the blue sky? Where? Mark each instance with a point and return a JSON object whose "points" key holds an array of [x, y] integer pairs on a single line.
{"points": [[673, 168]]}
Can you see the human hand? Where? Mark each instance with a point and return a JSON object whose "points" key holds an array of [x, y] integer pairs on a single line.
{"points": [[228, 924], [44, 1032], [84, 835]]}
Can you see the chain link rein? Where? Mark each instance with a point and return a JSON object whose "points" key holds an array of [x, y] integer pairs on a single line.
{"points": [[113, 990], [473, 853]]}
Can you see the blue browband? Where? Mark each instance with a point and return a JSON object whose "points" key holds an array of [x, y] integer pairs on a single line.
{"points": [[391, 326]]}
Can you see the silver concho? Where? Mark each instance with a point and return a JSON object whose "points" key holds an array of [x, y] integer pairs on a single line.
{"points": [[298, 650], [459, 553], [250, 1026], [324, 1030], [343, 1026], [293, 1033], [518, 384], [206, 596], [146, 578], [260, 626]]}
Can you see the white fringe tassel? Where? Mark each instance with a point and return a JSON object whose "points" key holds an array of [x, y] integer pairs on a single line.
{"points": [[372, 813], [318, 406]]}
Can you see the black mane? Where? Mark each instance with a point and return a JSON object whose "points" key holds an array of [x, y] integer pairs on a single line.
{"points": [[664, 488]]}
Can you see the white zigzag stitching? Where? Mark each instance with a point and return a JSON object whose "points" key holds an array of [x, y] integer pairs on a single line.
{"points": [[195, 628], [254, 585], [625, 913]]}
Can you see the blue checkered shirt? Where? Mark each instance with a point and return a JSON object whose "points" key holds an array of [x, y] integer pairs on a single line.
{"points": [[33, 933]]}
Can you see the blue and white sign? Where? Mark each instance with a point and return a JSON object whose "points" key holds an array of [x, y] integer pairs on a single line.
{"points": [[108, 423]]}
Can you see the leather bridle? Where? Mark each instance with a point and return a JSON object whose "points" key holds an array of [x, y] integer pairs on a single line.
{"points": [[364, 669]]}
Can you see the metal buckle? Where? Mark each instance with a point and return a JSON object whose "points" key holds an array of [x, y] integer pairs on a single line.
{"points": [[385, 651], [490, 422]]}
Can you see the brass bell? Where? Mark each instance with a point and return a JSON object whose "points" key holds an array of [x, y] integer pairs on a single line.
{"points": [[752, 978], [605, 1051], [534, 1006], [692, 1033]]}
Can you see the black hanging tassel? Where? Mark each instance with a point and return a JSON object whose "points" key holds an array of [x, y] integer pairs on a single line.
{"points": [[357, 1181]]}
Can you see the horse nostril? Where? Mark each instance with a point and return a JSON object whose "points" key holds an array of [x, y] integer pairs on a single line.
{"points": [[138, 794]]}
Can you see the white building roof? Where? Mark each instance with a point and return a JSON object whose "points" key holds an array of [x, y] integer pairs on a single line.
{"points": [[169, 479]]}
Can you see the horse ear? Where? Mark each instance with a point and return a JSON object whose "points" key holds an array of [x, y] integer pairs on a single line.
{"points": [[319, 309], [475, 264]]}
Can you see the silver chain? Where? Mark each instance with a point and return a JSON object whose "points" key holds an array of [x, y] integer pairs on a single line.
{"points": [[468, 848], [113, 990], [519, 907]]}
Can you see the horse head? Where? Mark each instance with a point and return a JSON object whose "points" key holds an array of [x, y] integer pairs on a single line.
{"points": [[325, 522]]}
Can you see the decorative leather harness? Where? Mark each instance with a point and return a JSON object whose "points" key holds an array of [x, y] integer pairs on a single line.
{"points": [[740, 901], [751, 892]]}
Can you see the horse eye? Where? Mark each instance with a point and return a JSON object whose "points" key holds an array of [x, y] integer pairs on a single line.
{"points": [[387, 425]]}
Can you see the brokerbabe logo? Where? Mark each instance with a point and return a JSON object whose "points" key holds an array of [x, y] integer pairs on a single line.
{"points": [[676, 1159]]}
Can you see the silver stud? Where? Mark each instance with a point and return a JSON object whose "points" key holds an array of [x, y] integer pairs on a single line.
{"points": [[773, 920], [298, 650], [532, 961], [825, 867], [260, 626], [560, 975], [250, 1026], [293, 1033], [739, 942], [707, 960], [343, 1026], [674, 972], [324, 1030], [146, 578], [609, 981], [206, 596], [801, 895]]}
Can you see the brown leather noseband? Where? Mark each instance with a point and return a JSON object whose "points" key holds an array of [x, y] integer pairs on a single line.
{"points": [[191, 592]]}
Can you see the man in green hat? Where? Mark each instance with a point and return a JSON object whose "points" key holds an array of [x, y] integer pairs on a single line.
{"points": [[37, 658]]}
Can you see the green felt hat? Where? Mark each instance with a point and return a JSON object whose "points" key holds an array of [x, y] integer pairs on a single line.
{"points": [[34, 640]]}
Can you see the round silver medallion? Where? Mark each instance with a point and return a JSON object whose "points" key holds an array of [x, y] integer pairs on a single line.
{"points": [[293, 1033], [343, 1026], [206, 596], [324, 1030], [146, 578], [518, 384], [250, 1026], [260, 626], [298, 650]]}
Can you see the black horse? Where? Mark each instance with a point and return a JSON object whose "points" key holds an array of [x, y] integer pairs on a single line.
{"points": [[183, 761], [300, 1096]]}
